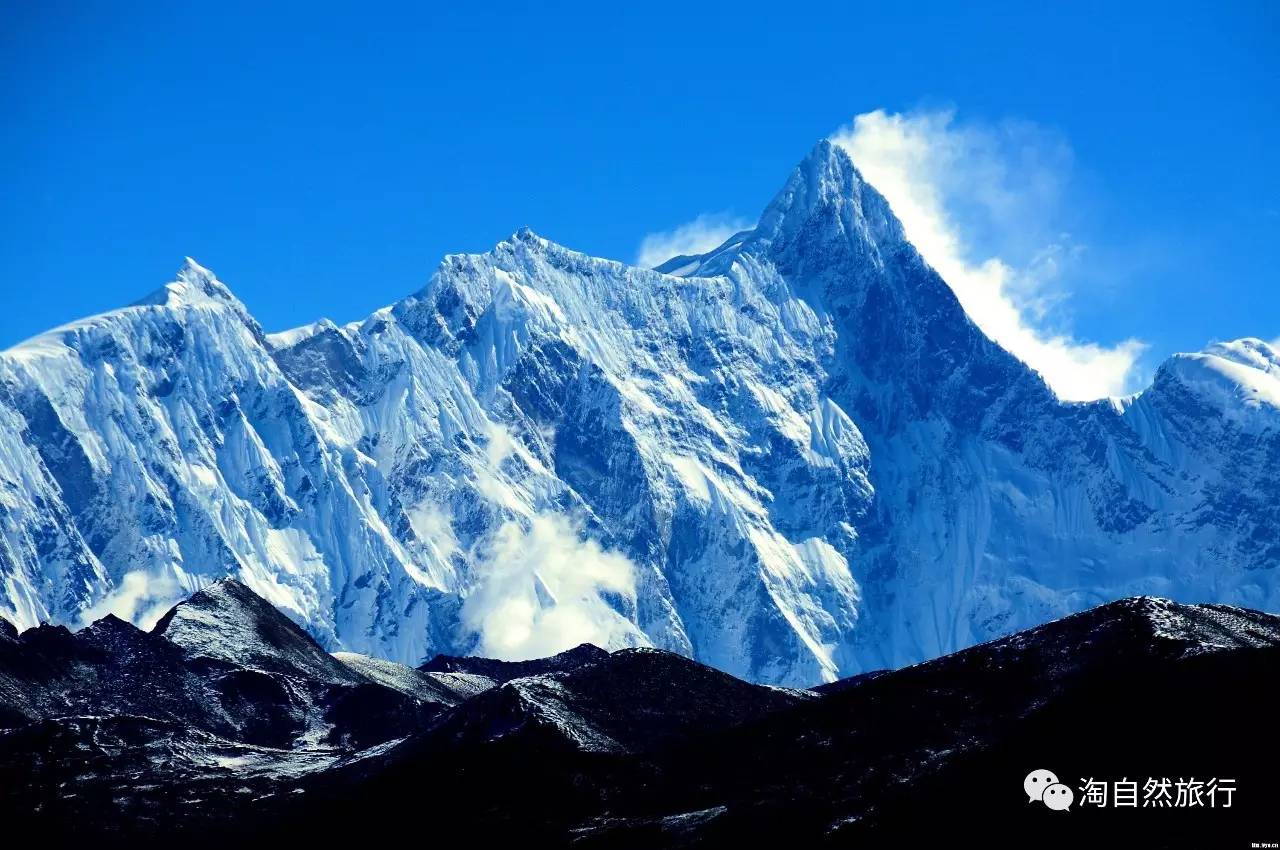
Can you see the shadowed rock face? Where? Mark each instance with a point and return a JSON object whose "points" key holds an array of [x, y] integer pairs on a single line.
{"points": [[630, 701], [225, 685], [112, 731], [1143, 684], [813, 463], [503, 671]]}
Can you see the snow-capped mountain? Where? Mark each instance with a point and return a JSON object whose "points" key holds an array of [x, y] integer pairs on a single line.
{"points": [[793, 458]]}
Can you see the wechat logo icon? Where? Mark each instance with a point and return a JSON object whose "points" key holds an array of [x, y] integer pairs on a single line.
{"points": [[1042, 786]]}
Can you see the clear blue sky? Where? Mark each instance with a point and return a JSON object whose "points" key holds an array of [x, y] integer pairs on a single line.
{"points": [[323, 162]]}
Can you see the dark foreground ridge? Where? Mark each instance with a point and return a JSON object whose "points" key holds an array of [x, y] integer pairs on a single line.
{"points": [[228, 721]]}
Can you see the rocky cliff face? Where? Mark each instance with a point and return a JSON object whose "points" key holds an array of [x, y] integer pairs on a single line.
{"points": [[793, 458]]}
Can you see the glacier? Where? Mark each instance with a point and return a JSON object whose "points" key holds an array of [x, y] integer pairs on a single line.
{"points": [[794, 458]]}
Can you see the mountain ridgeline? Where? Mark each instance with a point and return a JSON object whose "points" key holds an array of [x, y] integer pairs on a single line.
{"points": [[794, 458], [226, 722]]}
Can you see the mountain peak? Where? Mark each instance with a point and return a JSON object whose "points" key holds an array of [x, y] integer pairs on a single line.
{"points": [[827, 164], [1239, 379], [827, 185], [111, 623], [226, 621], [524, 238], [191, 270], [191, 284], [1161, 624], [1248, 351], [825, 211]]}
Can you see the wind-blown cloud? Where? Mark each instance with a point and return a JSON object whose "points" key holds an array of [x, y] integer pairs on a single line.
{"points": [[699, 236], [544, 589], [965, 196], [139, 597]]}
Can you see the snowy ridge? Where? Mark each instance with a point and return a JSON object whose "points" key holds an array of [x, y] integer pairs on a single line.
{"points": [[793, 460], [1208, 628], [1155, 627], [1241, 379]]}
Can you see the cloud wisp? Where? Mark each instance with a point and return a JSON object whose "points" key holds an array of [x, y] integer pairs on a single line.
{"points": [[139, 597], [978, 204], [544, 589], [707, 231]]}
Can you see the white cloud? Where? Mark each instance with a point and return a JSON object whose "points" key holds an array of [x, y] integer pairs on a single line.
{"points": [[707, 231], [966, 195], [543, 588], [433, 525], [489, 479], [140, 598]]}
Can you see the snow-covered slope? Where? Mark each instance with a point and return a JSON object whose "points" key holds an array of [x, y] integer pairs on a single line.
{"points": [[441, 688], [795, 459], [227, 622]]}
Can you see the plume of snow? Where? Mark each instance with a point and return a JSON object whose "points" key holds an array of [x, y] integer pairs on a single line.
{"points": [[953, 186]]}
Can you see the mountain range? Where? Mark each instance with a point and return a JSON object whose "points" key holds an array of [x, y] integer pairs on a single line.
{"points": [[793, 459], [227, 721]]}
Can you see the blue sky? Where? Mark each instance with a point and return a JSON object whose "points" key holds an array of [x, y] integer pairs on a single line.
{"points": [[1119, 168]]}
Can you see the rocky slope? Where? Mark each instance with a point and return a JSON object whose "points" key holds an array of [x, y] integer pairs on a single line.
{"points": [[226, 695], [118, 735]]}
